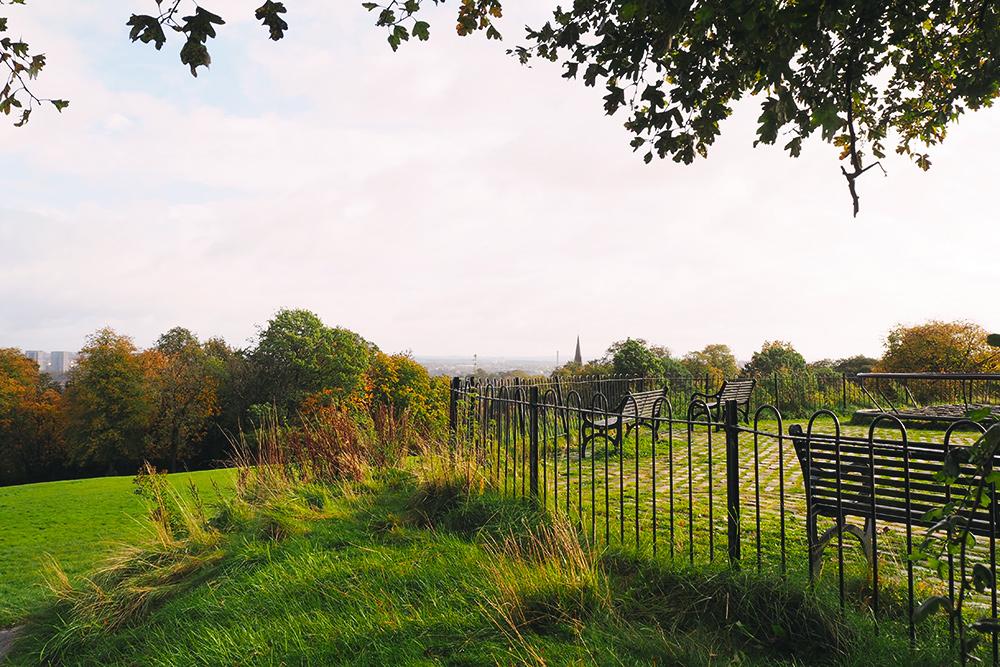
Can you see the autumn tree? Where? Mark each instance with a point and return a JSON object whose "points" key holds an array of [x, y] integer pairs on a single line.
{"points": [[30, 426], [399, 385], [187, 391], [716, 361], [298, 356], [775, 357], [568, 370], [111, 401], [939, 347]]}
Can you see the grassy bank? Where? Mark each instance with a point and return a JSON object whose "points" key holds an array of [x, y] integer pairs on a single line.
{"points": [[74, 523], [425, 567]]}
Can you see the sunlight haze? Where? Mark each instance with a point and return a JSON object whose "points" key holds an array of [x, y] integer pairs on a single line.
{"points": [[446, 200]]}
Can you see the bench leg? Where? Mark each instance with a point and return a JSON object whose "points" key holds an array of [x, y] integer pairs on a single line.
{"points": [[615, 440], [820, 544], [695, 413]]}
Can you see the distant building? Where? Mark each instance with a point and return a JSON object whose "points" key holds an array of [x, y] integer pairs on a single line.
{"points": [[578, 358], [40, 357], [60, 362]]}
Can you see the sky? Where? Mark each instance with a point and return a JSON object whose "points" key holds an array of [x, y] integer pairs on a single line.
{"points": [[446, 200]]}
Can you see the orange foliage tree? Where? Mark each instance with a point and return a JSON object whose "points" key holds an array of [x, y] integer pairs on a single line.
{"points": [[30, 427], [939, 347]]}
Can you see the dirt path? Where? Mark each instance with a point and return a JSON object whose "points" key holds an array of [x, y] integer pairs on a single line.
{"points": [[7, 638]]}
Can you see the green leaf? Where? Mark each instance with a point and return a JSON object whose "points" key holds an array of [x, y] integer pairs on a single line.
{"points": [[985, 625], [953, 461], [60, 104], [268, 15], [930, 606], [398, 34], [978, 414], [195, 54], [421, 30], [24, 118], [146, 29], [942, 524], [199, 27], [993, 340], [982, 578]]}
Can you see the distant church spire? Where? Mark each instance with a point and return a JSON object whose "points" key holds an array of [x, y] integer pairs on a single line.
{"points": [[578, 358]]}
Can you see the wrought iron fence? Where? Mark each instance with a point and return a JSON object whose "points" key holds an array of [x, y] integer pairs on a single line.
{"points": [[794, 394], [693, 491], [897, 391]]}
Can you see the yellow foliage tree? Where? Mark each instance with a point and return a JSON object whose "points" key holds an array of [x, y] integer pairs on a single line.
{"points": [[939, 347]]}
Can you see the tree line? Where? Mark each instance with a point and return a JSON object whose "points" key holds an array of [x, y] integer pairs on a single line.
{"points": [[183, 402], [934, 346]]}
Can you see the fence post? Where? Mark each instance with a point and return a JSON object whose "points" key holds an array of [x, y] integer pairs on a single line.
{"points": [[777, 403], [732, 482], [456, 386], [533, 451]]}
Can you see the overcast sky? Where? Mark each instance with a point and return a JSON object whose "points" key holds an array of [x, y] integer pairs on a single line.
{"points": [[445, 199]]}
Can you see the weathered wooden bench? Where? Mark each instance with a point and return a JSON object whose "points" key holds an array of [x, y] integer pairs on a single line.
{"points": [[840, 475], [634, 410], [712, 405]]}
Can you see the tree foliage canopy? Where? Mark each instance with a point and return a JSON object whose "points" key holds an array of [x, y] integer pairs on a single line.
{"points": [[632, 358], [111, 401], [298, 355], [187, 392], [716, 360], [775, 357], [30, 433], [939, 347], [862, 74], [867, 75]]}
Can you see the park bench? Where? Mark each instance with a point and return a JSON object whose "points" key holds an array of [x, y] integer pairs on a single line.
{"points": [[838, 485], [634, 410], [712, 404]]}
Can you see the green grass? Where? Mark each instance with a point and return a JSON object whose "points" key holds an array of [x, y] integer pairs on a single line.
{"points": [[75, 523], [393, 570]]}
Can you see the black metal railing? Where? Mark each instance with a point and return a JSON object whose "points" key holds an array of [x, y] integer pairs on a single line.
{"points": [[700, 492], [893, 392], [794, 394]]}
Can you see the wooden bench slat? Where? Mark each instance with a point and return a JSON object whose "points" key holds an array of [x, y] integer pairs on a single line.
{"points": [[903, 482], [738, 390], [633, 411]]}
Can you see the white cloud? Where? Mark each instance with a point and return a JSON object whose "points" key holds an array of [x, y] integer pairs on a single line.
{"points": [[447, 200]]}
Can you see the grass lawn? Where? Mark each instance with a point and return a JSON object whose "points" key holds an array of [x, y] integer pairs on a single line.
{"points": [[74, 522], [397, 571]]}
